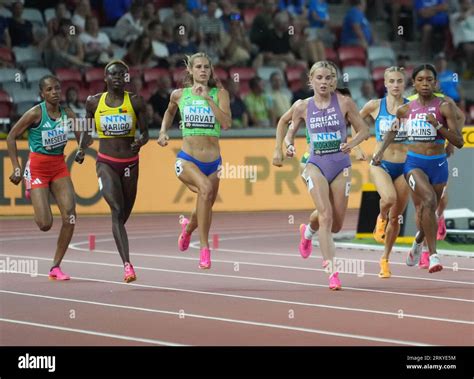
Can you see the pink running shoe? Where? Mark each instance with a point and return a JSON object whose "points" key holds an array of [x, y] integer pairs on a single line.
{"points": [[441, 235], [205, 258], [57, 274], [334, 282], [130, 275], [184, 238], [325, 263], [424, 260], [305, 245]]}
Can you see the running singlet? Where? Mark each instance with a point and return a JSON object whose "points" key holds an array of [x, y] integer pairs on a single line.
{"points": [[197, 117], [384, 120], [50, 136], [420, 130], [326, 127], [115, 121]]}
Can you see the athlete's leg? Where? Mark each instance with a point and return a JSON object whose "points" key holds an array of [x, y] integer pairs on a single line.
{"points": [[63, 191], [129, 188], [41, 207], [339, 196], [111, 186]]}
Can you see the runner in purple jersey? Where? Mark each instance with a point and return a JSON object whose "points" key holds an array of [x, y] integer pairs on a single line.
{"points": [[429, 121], [328, 172]]}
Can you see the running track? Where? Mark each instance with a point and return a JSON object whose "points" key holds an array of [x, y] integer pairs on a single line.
{"points": [[259, 291]]}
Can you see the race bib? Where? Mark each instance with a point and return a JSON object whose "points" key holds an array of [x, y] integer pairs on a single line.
{"points": [[53, 138], [420, 130], [116, 124], [385, 126], [326, 143], [201, 116]]}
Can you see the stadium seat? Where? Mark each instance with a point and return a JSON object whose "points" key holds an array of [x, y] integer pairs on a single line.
{"points": [[221, 73], [34, 75], [352, 56], [25, 95], [331, 55], [178, 75], [409, 71], [249, 15], [242, 73], [381, 56], [10, 75], [244, 88], [265, 72], [34, 16], [135, 72], [12, 87], [295, 85], [6, 55], [96, 86], [28, 57], [84, 93], [6, 104], [378, 79], [293, 73], [69, 74], [94, 74], [153, 74]]}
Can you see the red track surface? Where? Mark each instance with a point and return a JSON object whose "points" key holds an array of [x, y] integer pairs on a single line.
{"points": [[258, 292]]}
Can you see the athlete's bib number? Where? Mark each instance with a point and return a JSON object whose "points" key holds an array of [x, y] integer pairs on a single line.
{"points": [[198, 116], [326, 143], [53, 138], [116, 125], [385, 126], [419, 130]]}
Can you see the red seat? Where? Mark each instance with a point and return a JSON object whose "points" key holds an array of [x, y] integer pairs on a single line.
{"points": [[178, 75], [94, 74], [6, 55], [96, 86], [6, 104], [378, 73], [221, 74], [242, 73], [134, 72], [331, 55], [153, 74], [294, 73], [249, 15], [352, 56], [69, 74], [84, 93], [295, 85], [244, 89], [409, 71]]}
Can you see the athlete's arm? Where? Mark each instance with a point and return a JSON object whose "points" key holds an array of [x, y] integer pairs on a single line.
{"points": [[359, 125], [138, 105], [296, 119], [281, 130], [460, 119], [389, 137], [31, 117], [452, 133], [168, 117], [221, 111]]}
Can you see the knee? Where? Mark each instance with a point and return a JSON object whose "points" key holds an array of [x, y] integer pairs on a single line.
{"points": [[118, 213], [390, 200], [70, 219], [205, 191], [44, 226], [336, 227], [429, 201], [394, 220], [325, 219]]}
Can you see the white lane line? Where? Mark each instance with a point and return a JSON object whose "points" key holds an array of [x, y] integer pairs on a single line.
{"points": [[74, 246], [243, 322], [249, 278], [261, 299], [91, 332]]}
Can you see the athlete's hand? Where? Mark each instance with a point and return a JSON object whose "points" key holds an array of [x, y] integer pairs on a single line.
{"points": [[200, 90], [449, 149], [359, 154], [163, 139], [135, 146], [346, 148], [290, 151], [15, 178], [377, 158], [430, 117], [79, 158], [278, 158]]}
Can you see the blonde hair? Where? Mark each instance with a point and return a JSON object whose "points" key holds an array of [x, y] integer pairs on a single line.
{"points": [[188, 80], [323, 64], [394, 69]]}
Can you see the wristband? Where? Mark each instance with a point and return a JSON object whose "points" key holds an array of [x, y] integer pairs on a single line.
{"points": [[439, 126]]}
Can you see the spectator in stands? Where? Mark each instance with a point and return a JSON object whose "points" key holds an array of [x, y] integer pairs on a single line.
{"points": [[180, 17], [304, 91], [97, 47], [356, 28], [212, 46], [259, 105], [277, 49], [60, 13], [160, 50], [161, 98], [294, 8], [72, 101], [66, 50], [401, 9], [5, 40], [367, 93], [136, 85], [227, 12], [432, 17], [240, 116], [462, 31], [449, 81], [196, 7], [152, 123], [263, 23], [115, 9], [237, 45], [318, 18], [21, 30], [129, 27], [180, 47], [140, 52], [208, 24], [150, 14], [281, 97], [82, 11]]}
